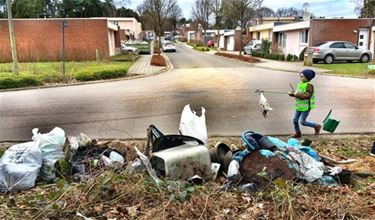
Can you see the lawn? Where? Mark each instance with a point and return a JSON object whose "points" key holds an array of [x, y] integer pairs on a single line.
{"points": [[348, 69], [44, 73]]}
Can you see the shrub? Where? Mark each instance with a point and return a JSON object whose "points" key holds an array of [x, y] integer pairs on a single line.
{"points": [[200, 48], [281, 57], [18, 81], [101, 72], [289, 57], [302, 54], [295, 58], [266, 46]]}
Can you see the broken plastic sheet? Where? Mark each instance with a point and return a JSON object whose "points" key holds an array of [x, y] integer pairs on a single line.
{"points": [[19, 167], [264, 105], [148, 166], [193, 125]]}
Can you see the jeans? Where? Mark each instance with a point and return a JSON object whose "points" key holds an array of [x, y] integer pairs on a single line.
{"points": [[303, 116]]}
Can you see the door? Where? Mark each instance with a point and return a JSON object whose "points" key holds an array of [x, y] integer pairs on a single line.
{"points": [[353, 52], [338, 50], [363, 38]]}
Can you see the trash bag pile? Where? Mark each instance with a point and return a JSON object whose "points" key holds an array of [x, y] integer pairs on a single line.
{"points": [[52, 155], [180, 157]]}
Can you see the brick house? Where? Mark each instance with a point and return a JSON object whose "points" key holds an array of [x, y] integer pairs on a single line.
{"points": [[294, 37], [41, 39]]}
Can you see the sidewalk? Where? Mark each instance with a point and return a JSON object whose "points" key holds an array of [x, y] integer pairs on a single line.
{"points": [[143, 66]]}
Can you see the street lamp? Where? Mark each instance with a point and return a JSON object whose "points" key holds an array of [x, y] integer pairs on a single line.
{"points": [[63, 26]]}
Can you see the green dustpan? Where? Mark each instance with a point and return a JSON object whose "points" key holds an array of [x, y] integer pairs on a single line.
{"points": [[330, 124]]}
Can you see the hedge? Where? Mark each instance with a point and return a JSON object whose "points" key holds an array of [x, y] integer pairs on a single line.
{"points": [[19, 81], [101, 72]]}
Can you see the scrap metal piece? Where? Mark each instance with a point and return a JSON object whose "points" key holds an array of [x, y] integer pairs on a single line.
{"points": [[182, 162]]}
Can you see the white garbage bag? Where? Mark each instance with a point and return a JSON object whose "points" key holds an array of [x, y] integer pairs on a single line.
{"points": [[51, 144], [193, 125], [19, 167], [264, 106]]}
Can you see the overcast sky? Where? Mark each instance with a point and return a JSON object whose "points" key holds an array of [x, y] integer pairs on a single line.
{"points": [[327, 8]]}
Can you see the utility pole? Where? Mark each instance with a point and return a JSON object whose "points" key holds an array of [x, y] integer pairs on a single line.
{"points": [[12, 37]]}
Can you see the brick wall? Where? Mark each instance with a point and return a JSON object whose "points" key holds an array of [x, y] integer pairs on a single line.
{"points": [[41, 39], [337, 29]]}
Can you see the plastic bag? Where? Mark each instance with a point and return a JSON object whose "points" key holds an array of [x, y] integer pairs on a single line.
{"points": [[51, 144], [264, 106], [19, 167], [193, 125]]}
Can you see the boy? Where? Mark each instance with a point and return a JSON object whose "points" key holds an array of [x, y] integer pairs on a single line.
{"points": [[305, 97]]}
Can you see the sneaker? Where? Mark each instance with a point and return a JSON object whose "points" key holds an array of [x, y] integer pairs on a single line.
{"points": [[317, 129], [296, 135], [372, 152]]}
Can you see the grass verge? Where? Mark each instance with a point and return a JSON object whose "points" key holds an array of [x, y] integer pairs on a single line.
{"points": [[44, 73], [348, 69]]}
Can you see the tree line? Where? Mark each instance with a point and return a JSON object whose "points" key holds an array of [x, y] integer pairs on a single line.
{"points": [[67, 8]]}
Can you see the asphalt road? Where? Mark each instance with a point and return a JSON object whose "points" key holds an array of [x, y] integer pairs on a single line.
{"points": [[124, 109]]}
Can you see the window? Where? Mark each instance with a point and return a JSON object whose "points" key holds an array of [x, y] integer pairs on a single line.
{"points": [[282, 39], [361, 36], [337, 45], [304, 36], [349, 46]]}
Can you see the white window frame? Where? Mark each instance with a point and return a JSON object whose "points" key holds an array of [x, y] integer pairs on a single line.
{"points": [[282, 39], [304, 36]]}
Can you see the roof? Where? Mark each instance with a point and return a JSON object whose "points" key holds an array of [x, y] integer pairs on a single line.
{"points": [[292, 26]]}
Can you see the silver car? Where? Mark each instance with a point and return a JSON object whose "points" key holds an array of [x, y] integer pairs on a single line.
{"points": [[254, 45], [330, 51]]}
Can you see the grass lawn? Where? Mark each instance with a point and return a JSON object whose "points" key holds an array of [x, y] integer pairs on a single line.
{"points": [[42, 73], [348, 69]]}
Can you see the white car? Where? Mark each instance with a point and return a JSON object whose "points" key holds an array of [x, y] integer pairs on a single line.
{"points": [[128, 48], [254, 45], [169, 46]]}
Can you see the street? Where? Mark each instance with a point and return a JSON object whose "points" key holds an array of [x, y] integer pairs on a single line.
{"points": [[124, 109]]}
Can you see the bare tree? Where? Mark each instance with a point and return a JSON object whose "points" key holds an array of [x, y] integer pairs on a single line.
{"points": [[285, 12], [175, 16], [242, 11], [367, 9], [201, 13], [218, 12], [154, 13], [266, 12]]}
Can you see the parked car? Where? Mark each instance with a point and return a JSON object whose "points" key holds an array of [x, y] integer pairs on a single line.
{"points": [[254, 45], [127, 48], [169, 46], [330, 51], [211, 43]]}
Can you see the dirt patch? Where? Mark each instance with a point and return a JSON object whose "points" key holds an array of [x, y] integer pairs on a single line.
{"points": [[158, 60], [238, 57]]}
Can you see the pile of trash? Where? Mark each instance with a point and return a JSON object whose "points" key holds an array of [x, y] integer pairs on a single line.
{"points": [[52, 155], [181, 157]]}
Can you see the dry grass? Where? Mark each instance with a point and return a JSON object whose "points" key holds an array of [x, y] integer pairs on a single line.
{"points": [[114, 194]]}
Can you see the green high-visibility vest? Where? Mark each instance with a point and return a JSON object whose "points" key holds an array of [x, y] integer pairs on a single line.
{"points": [[307, 104]]}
